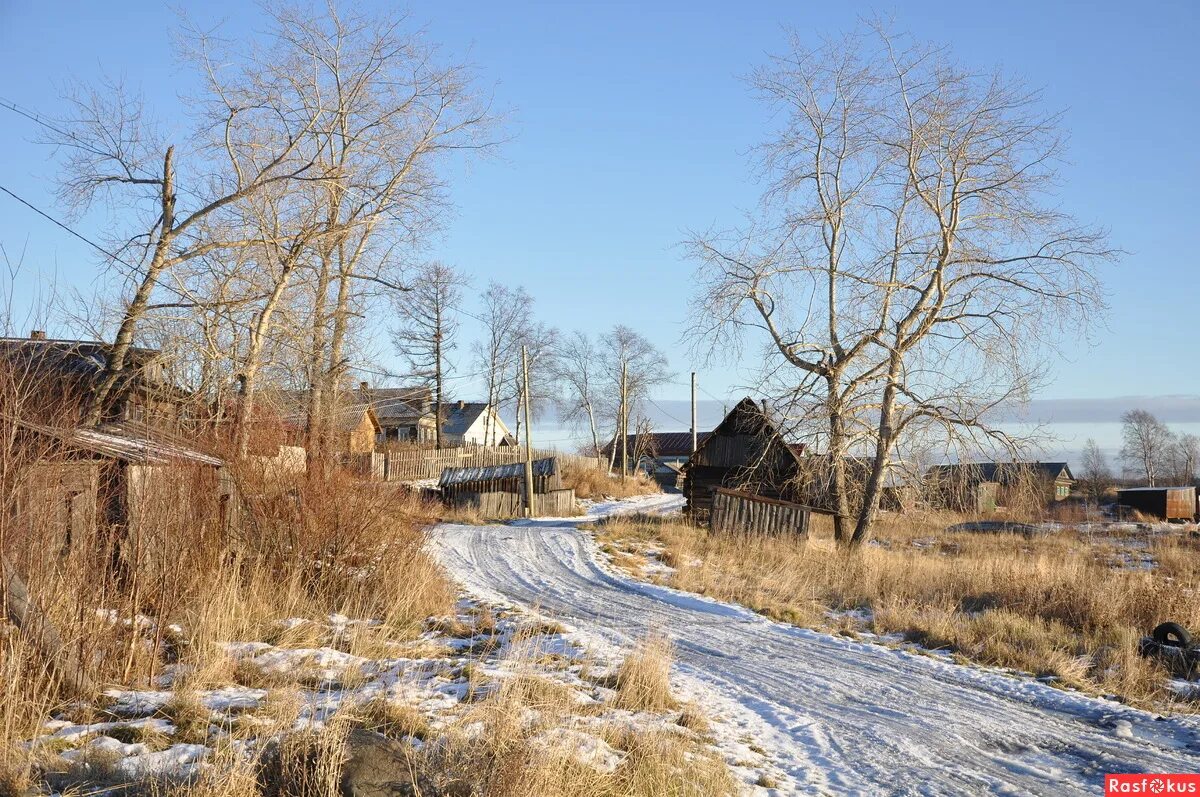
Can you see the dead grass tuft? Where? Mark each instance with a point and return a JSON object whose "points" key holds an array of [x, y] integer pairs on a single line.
{"points": [[644, 678]]}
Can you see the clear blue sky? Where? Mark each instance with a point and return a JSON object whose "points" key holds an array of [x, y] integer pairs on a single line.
{"points": [[631, 123]]}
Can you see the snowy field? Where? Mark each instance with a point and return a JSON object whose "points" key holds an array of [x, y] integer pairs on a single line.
{"points": [[836, 716]]}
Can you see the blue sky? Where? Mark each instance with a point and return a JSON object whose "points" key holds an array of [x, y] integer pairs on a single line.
{"points": [[630, 125]]}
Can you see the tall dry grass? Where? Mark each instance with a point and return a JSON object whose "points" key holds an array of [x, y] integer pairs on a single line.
{"points": [[592, 483], [1064, 604], [160, 598]]}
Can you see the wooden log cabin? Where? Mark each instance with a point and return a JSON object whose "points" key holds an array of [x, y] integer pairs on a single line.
{"points": [[746, 453]]}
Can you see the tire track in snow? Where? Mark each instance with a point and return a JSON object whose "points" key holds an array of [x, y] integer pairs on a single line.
{"points": [[838, 716]]}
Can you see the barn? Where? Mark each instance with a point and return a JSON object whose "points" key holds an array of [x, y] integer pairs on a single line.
{"points": [[745, 453]]}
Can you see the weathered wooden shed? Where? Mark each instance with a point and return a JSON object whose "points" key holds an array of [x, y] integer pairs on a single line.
{"points": [[746, 453], [87, 480], [498, 491], [1165, 503]]}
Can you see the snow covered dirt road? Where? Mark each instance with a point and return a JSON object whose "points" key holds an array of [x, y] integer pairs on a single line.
{"points": [[837, 716]]}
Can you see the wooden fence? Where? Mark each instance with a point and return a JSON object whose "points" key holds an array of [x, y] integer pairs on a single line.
{"points": [[418, 464], [738, 512], [555, 503]]}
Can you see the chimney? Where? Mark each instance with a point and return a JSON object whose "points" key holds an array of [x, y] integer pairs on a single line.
{"points": [[37, 334], [364, 386], [462, 405]]}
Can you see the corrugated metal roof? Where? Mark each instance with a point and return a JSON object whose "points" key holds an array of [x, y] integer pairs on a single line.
{"points": [[125, 445], [516, 470]]}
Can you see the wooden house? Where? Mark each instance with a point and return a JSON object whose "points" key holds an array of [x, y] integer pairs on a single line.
{"points": [[474, 423], [660, 455], [405, 414], [353, 426], [54, 379], [746, 453], [498, 491], [982, 487]]}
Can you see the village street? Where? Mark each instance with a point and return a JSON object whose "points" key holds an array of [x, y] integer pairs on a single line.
{"points": [[837, 716]]}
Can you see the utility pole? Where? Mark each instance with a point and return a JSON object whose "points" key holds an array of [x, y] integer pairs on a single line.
{"points": [[694, 412], [528, 447], [624, 413]]}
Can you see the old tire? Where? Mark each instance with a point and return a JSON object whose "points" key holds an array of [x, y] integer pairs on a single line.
{"points": [[1172, 635]]}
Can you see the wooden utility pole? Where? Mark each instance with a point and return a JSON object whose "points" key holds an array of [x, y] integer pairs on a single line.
{"points": [[624, 413], [528, 446], [694, 412]]}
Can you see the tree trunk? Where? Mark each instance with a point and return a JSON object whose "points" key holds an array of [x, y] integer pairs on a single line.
{"points": [[115, 362]]}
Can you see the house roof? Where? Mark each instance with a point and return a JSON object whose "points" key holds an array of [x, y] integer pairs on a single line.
{"points": [[81, 361], [398, 405], [292, 408], [460, 416], [127, 443], [747, 417], [1005, 473], [659, 444], [515, 470]]}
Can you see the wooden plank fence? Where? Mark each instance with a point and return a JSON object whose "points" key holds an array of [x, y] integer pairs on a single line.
{"points": [[555, 503], [735, 512], [421, 464]]}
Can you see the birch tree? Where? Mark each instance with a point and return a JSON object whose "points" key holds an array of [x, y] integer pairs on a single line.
{"points": [[1145, 446], [505, 316], [168, 212], [578, 371], [645, 367], [910, 268]]}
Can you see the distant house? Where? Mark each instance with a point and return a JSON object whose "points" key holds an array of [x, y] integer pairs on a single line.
{"points": [[660, 455], [900, 491], [353, 426], [983, 486], [746, 453], [474, 423], [405, 414], [60, 376]]}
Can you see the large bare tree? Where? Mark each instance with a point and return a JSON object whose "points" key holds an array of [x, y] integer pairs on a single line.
{"points": [[170, 212], [428, 328], [625, 351], [1145, 446], [506, 317], [578, 372], [909, 268]]}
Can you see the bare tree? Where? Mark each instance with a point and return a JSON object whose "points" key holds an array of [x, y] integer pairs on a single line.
{"points": [[909, 266], [428, 327], [390, 111], [1145, 446], [539, 341], [1094, 472], [578, 371], [113, 155], [623, 350], [505, 317], [1185, 456]]}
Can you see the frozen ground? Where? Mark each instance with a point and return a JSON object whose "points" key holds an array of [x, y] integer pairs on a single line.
{"points": [[837, 716]]}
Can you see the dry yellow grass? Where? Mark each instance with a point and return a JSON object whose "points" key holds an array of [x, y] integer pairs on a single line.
{"points": [[644, 679], [1058, 604], [596, 483]]}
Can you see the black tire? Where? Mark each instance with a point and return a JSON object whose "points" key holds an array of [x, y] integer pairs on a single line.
{"points": [[1172, 634]]}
